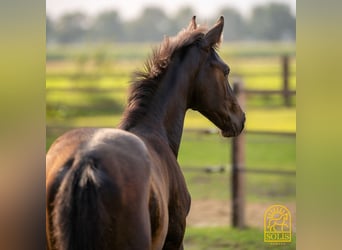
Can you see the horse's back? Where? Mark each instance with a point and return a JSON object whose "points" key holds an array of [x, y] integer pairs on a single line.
{"points": [[106, 171], [95, 141], [116, 149]]}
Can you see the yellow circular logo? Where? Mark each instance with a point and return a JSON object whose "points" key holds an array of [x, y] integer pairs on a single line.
{"points": [[277, 224]]}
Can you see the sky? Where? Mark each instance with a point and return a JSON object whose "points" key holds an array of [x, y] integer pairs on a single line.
{"points": [[130, 9]]}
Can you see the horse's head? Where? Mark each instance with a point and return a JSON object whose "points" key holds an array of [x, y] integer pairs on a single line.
{"points": [[212, 95]]}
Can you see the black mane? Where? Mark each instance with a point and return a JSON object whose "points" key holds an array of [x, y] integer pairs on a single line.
{"points": [[145, 83]]}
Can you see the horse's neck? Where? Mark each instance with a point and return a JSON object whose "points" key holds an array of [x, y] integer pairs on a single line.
{"points": [[166, 112], [172, 116]]}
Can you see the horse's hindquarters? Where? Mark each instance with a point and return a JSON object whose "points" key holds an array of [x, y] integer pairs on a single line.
{"points": [[98, 193]]}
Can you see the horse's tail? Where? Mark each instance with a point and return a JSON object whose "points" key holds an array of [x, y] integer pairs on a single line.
{"points": [[79, 215]]}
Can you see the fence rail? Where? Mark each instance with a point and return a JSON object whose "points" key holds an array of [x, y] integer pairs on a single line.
{"points": [[285, 91], [269, 92], [225, 169]]}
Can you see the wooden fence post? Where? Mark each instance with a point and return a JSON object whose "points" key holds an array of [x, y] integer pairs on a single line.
{"points": [[285, 69], [238, 165]]}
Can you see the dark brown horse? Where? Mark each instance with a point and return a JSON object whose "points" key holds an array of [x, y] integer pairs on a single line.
{"points": [[123, 188]]}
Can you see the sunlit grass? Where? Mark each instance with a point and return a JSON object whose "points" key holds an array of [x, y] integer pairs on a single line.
{"points": [[101, 82], [280, 119], [222, 238], [262, 119], [78, 98], [267, 82]]}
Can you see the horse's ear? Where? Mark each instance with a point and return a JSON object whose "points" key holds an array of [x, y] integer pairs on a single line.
{"points": [[192, 25], [214, 35]]}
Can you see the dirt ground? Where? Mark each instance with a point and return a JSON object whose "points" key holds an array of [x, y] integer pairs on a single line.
{"points": [[205, 213]]}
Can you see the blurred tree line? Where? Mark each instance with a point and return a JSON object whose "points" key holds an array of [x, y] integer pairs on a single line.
{"points": [[273, 22]]}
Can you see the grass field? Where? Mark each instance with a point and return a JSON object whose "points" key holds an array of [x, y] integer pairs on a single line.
{"points": [[262, 152], [226, 238], [73, 72]]}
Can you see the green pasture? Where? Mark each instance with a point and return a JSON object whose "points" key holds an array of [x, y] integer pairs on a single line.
{"points": [[226, 238], [199, 151], [72, 70]]}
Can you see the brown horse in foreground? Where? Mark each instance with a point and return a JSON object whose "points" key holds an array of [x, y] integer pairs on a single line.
{"points": [[123, 188]]}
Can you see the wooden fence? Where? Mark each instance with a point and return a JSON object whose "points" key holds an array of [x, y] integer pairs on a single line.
{"points": [[238, 169], [285, 92]]}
